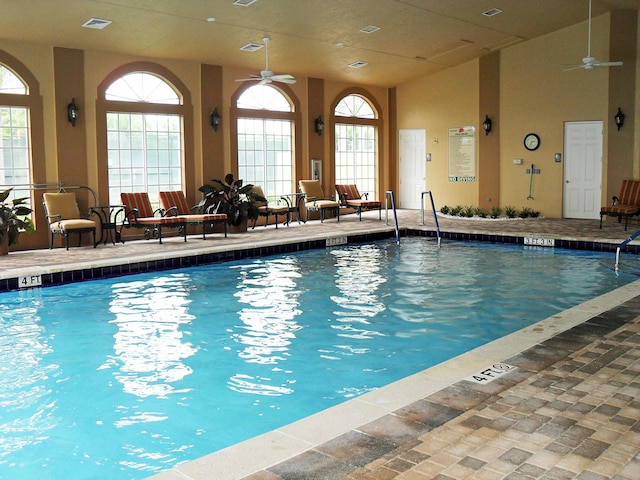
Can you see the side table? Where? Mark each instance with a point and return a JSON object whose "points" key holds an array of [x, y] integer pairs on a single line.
{"points": [[108, 215]]}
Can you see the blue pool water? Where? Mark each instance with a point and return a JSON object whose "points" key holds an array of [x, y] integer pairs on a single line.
{"points": [[126, 377]]}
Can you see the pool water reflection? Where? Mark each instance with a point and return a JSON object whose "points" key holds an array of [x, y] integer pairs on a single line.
{"points": [[123, 378]]}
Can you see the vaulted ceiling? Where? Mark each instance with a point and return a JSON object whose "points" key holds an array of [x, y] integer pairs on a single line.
{"points": [[316, 38]]}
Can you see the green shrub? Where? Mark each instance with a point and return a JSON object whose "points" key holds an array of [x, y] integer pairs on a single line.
{"points": [[510, 211], [468, 212], [525, 212], [495, 212], [445, 210], [455, 211]]}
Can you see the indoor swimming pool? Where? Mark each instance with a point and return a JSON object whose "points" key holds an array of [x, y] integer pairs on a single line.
{"points": [[126, 377]]}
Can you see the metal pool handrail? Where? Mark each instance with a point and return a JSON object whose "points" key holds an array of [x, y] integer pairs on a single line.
{"points": [[622, 245], [433, 208], [390, 195]]}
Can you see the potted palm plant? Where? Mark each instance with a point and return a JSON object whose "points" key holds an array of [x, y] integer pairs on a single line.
{"points": [[232, 197], [13, 220]]}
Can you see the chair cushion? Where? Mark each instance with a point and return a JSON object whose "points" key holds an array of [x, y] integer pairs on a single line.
{"points": [[75, 224], [347, 192], [319, 204], [63, 204], [620, 210], [629, 193], [363, 203], [311, 188], [139, 201], [175, 198]]}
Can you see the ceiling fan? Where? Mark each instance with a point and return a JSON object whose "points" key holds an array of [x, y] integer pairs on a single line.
{"points": [[266, 75], [590, 62]]}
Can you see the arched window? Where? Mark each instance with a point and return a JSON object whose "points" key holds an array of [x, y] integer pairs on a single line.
{"points": [[356, 155], [144, 147], [265, 139], [15, 131]]}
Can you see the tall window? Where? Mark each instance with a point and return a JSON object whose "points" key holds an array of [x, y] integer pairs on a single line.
{"points": [[144, 150], [15, 134], [355, 144], [265, 143]]}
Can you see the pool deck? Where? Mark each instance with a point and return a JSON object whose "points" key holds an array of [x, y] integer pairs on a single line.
{"points": [[570, 409]]}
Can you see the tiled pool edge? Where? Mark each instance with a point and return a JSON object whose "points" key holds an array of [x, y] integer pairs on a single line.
{"points": [[64, 274], [278, 449]]}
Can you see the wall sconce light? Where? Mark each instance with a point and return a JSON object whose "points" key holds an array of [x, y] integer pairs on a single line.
{"points": [[319, 125], [619, 118], [487, 124], [215, 119], [73, 112]]}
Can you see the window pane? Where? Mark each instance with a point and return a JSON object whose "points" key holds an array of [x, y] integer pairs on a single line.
{"points": [[142, 87], [145, 154], [11, 83], [15, 150]]}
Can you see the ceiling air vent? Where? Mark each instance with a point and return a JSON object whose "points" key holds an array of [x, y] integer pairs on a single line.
{"points": [[244, 3], [370, 29], [97, 23], [251, 47], [491, 12], [358, 64]]}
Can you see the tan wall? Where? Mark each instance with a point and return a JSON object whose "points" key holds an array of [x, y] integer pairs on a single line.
{"points": [[535, 95], [436, 103]]}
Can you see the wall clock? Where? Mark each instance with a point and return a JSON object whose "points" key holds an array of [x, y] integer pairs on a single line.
{"points": [[531, 141]]}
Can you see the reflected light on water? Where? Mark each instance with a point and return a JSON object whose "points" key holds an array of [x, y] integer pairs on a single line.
{"points": [[149, 346], [28, 412], [268, 291]]}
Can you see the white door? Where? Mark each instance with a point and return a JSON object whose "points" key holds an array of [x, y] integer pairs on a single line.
{"points": [[582, 170], [412, 170]]}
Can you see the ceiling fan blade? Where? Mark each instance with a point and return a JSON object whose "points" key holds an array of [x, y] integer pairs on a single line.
{"points": [[284, 78], [607, 64]]}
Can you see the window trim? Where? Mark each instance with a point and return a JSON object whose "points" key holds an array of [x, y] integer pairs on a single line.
{"points": [[294, 116], [377, 123], [184, 109]]}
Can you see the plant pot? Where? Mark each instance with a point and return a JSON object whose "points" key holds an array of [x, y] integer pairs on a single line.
{"points": [[4, 244], [241, 228]]}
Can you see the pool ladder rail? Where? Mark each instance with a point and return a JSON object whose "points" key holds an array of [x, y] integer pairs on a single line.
{"points": [[622, 245], [391, 196], [433, 209]]}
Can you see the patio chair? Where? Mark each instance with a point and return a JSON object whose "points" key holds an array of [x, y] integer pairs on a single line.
{"points": [[349, 196], [626, 204], [140, 214], [63, 216], [175, 204], [266, 209], [315, 200]]}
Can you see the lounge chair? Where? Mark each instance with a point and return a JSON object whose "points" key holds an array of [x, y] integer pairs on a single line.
{"points": [[175, 204], [63, 216], [315, 200], [140, 214], [266, 209], [349, 196], [626, 204]]}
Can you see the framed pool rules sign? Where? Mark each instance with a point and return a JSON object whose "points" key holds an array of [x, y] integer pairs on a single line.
{"points": [[462, 154]]}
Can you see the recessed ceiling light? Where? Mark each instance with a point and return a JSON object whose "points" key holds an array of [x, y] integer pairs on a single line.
{"points": [[370, 29], [491, 12], [97, 23], [244, 3], [251, 47], [358, 64], [211, 19]]}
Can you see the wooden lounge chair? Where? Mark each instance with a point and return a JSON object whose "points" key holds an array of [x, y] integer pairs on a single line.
{"points": [[140, 214], [626, 204], [63, 215], [349, 196], [266, 209], [315, 200], [175, 204]]}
